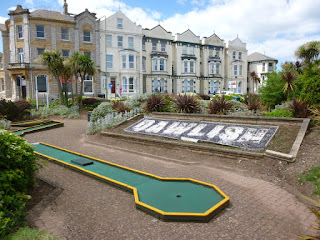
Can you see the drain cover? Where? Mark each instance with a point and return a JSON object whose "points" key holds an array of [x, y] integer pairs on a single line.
{"points": [[82, 162]]}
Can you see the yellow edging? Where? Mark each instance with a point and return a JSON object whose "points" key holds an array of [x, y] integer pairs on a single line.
{"points": [[135, 192], [54, 123]]}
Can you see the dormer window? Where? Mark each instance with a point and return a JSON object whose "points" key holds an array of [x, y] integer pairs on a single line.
{"points": [[119, 23], [86, 36], [19, 30]]}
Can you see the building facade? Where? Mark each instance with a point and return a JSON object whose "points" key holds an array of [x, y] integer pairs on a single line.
{"points": [[28, 34], [261, 65]]}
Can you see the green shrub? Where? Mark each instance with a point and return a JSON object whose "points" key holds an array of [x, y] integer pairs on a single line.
{"points": [[219, 105], [156, 103], [101, 111], [279, 113], [4, 124], [63, 111], [18, 165], [90, 103], [186, 103], [31, 234], [204, 96], [12, 111], [137, 101]]}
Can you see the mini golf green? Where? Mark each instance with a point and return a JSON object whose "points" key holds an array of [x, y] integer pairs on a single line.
{"points": [[35, 125], [169, 199]]}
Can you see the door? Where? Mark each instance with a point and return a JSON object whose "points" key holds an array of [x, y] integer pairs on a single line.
{"points": [[113, 82]]}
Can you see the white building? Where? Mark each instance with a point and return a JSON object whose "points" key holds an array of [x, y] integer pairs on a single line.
{"points": [[261, 65], [121, 56], [236, 67]]}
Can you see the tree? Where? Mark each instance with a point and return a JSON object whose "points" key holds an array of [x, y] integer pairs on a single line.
{"points": [[289, 79], [311, 83], [255, 79], [66, 75], [308, 52], [54, 62]]}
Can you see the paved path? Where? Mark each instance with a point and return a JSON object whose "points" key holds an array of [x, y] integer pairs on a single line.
{"points": [[90, 209]]}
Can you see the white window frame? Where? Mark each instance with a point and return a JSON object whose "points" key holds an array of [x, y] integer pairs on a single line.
{"points": [[124, 85], [240, 70], [161, 64], [185, 66], [86, 36], [120, 41], [64, 34], [213, 86], [130, 42], [131, 61], [38, 31], [21, 55], [184, 49], [217, 68], [154, 46], [217, 53], [191, 86], [240, 55], [263, 67], [156, 85], [192, 67], [131, 85], [88, 79], [143, 45], [108, 40], [124, 61], [234, 55], [185, 85], [212, 66], [155, 64], [109, 61], [163, 46], [192, 50], [235, 70], [144, 63], [119, 23], [20, 31], [210, 52]]}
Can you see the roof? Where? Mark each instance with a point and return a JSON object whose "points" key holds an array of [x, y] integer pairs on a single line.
{"points": [[54, 15], [256, 57]]}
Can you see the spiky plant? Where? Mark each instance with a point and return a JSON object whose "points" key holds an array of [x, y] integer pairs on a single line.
{"points": [[299, 108], [253, 102], [298, 66], [186, 104], [219, 105], [289, 78], [156, 103], [120, 107]]}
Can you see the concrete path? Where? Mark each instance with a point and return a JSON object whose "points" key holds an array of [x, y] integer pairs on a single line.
{"points": [[90, 209]]}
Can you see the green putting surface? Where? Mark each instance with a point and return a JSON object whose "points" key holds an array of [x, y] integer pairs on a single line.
{"points": [[30, 123], [35, 125], [167, 195]]}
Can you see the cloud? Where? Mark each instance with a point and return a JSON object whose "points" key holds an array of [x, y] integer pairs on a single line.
{"points": [[3, 19]]}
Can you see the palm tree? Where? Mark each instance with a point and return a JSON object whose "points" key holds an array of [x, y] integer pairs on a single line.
{"points": [[67, 74], [309, 51], [255, 79], [298, 67], [54, 62], [289, 78], [75, 70]]}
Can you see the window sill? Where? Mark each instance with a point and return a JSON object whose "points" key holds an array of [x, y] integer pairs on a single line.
{"points": [[41, 38], [87, 42], [65, 40]]}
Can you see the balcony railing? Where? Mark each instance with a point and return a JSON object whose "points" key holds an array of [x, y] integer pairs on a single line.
{"points": [[19, 65]]}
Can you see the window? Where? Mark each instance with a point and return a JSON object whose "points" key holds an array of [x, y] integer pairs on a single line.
{"points": [[163, 85], [217, 53], [143, 44], [40, 31], [234, 55], [185, 66], [192, 50], [210, 53], [185, 85], [109, 61], [238, 89], [125, 84], [19, 30], [163, 46], [191, 86], [263, 67], [131, 84], [240, 70], [213, 87], [161, 64], [184, 49], [131, 61], [40, 51], [88, 54], [21, 55], [88, 85], [143, 63], [128, 84], [119, 23], [124, 61], [192, 67], [86, 36], [211, 68], [41, 81], [109, 40], [130, 42], [156, 85], [120, 41], [65, 34], [235, 69], [217, 68], [155, 64], [270, 67], [2, 84], [66, 53], [154, 46], [240, 55]]}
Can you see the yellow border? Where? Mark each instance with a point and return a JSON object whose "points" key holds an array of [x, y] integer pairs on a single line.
{"points": [[135, 192], [55, 123]]}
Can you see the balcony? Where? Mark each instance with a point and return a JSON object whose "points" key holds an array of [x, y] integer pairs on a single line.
{"points": [[13, 66]]}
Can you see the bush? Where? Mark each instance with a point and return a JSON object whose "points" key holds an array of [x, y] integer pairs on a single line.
{"points": [[204, 96], [101, 111], [31, 234], [253, 102], [311, 84], [90, 103], [4, 124], [156, 103], [137, 101], [186, 103], [12, 111], [120, 107], [18, 165], [299, 108], [219, 106], [23, 104], [279, 113]]}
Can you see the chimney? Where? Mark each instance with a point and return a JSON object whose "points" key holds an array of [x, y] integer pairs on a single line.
{"points": [[65, 7]]}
